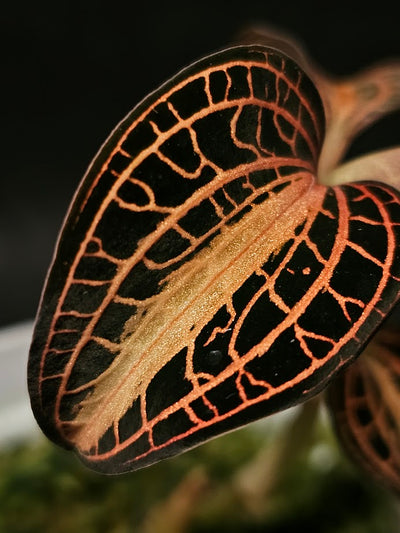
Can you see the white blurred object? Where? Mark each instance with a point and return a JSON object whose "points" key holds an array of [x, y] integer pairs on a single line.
{"points": [[16, 419]]}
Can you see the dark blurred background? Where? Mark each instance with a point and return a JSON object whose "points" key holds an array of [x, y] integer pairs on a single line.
{"points": [[71, 70]]}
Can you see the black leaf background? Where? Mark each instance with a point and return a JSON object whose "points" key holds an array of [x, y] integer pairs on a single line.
{"points": [[70, 71]]}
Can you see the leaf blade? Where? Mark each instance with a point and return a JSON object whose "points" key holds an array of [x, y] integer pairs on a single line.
{"points": [[167, 311], [364, 403]]}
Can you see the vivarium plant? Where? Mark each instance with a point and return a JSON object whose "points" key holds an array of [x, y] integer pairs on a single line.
{"points": [[218, 264]]}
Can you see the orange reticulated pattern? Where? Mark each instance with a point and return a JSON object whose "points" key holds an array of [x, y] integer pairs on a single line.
{"points": [[365, 407], [203, 279]]}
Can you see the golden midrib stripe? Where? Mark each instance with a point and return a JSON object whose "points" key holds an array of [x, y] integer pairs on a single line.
{"points": [[192, 296]]}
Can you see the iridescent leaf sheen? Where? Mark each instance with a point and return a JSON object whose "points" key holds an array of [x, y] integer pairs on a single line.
{"points": [[203, 277]]}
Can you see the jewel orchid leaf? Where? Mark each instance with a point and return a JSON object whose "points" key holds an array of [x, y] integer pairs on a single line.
{"points": [[207, 276], [364, 402]]}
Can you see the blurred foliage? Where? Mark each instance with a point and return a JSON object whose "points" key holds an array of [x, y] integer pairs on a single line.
{"points": [[267, 477]]}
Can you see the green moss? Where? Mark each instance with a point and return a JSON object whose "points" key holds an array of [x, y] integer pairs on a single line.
{"points": [[43, 488]]}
